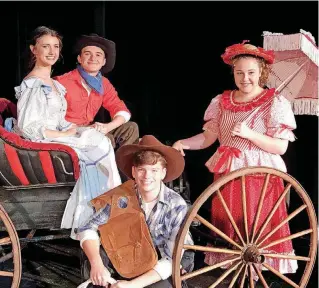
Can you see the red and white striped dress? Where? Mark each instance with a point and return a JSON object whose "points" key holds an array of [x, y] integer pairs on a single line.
{"points": [[268, 114]]}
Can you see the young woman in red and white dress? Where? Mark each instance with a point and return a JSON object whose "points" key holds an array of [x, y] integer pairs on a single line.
{"points": [[253, 126]]}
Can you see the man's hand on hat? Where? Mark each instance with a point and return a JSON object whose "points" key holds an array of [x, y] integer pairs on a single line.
{"points": [[101, 127], [178, 145]]}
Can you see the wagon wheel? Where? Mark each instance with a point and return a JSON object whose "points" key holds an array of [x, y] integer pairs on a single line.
{"points": [[249, 251], [10, 238]]}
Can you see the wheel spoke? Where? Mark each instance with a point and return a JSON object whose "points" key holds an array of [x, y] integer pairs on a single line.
{"points": [[16, 251], [225, 274], [6, 257], [264, 234], [217, 231], [260, 205], [232, 221], [5, 241], [6, 274], [251, 277], [273, 210], [291, 257], [2, 251], [208, 268], [261, 277], [280, 275], [292, 215], [232, 283], [296, 235], [211, 249], [243, 277], [243, 197]]}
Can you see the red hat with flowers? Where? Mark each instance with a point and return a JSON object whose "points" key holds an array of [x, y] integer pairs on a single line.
{"points": [[244, 49]]}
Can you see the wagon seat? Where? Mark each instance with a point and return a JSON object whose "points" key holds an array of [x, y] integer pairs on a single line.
{"points": [[36, 179]]}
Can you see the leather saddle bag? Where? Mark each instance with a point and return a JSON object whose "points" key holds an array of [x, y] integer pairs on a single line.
{"points": [[126, 237]]}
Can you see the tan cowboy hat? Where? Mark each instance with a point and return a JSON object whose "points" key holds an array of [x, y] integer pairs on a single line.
{"points": [[106, 45], [175, 160]]}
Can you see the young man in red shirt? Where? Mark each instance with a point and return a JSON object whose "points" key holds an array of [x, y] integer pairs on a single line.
{"points": [[88, 90]]}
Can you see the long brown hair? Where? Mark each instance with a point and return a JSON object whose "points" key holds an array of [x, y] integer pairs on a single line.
{"points": [[35, 36]]}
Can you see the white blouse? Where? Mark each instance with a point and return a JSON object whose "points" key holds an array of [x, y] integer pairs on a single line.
{"points": [[40, 108]]}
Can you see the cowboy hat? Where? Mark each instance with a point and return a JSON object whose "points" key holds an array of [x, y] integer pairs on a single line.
{"points": [[247, 49], [106, 45], [175, 160]]}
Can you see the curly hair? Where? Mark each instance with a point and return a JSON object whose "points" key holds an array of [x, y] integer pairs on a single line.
{"points": [[265, 68]]}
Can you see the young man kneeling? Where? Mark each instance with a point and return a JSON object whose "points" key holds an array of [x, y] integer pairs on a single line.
{"points": [[150, 164]]}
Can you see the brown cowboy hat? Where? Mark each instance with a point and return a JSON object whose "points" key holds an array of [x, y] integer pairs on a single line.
{"points": [[106, 45], [175, 160]]}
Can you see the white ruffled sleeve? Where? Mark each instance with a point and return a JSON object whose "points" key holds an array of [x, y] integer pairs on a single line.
{"points": [[32, 109], [281, 120], [212, 115]]}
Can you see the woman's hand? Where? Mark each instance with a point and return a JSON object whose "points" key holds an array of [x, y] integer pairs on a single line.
{"points": [[242, 130], [263, 141], [70, 132], [178, 145]]}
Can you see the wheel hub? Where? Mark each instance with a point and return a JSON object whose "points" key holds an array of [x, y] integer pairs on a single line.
{"points": [[251, 255]]}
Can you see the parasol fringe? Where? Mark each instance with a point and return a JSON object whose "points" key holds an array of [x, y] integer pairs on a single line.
{"points": [[310, 50], [280, 42], [306, 107]]}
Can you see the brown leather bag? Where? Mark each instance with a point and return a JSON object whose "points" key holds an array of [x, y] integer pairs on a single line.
{"points": [[125, 237]]}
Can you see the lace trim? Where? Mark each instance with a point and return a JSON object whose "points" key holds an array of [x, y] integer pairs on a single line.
{"points": [[229, 103]]}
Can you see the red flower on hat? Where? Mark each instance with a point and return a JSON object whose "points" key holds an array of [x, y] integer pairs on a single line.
{"points": [[243, 48]]}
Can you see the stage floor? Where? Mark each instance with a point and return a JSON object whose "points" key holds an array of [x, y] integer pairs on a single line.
{"points": [[56, 264]]}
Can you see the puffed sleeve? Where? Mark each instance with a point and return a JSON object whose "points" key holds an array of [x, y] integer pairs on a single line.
{"points": [[32, 109], [281, 120], [212, 115]]}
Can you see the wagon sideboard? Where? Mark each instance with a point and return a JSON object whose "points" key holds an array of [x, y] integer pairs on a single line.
{"points": [[37, 207]]}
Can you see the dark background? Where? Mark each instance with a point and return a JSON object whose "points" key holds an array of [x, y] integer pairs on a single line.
{"points": [[168, 63]]}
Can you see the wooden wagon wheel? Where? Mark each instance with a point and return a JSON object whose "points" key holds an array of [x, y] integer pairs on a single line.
{"points": [[13, 240], [248, 252]]}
